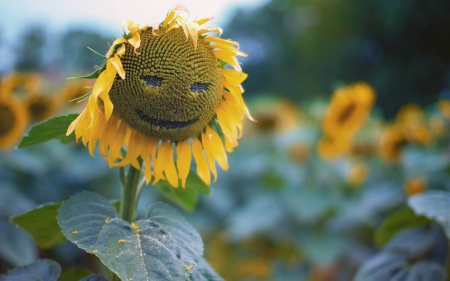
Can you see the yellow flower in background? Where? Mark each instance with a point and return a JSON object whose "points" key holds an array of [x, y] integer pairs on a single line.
{"points": [[436, 125], [21, 84], [167, 93], [74, 91], [13, 120], [392, 142], [346, 113], [444, 108], [348, 109], [40, 107], [411, 119], [275, 114], [415, 185], [358, 174], [330, 148]]}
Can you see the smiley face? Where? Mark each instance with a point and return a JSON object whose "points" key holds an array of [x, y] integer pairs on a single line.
{"points": [[171, 90]]}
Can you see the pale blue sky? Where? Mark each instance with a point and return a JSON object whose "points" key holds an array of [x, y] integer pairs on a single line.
{"points": [[102, 15]]}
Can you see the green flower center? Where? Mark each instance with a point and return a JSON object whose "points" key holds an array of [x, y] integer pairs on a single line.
{"points": [[170, 91], [8, 119]]}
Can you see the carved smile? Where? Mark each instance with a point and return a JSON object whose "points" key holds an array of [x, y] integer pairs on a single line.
{"points": [[165, 123]]}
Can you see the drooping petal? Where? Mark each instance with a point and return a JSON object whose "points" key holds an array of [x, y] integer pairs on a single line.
{"points": [[200, 160], [184, 156]]}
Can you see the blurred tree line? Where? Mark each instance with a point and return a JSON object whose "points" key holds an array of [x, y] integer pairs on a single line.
{"points": [[305, 48]]}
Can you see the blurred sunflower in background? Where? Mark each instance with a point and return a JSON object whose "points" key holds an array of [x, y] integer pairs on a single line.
{"points": [[410, 127], [40, 106], [14, 118], [74, 91], [21, 84], [415, 185], [348, 109], [167, 93]]}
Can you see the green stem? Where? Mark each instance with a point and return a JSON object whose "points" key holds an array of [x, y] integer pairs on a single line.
{"points": [[130, 194], [131, 189]]}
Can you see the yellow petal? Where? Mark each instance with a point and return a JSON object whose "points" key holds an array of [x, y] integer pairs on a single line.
{"points": [[203, 20], [229, 59], [206, 141], [200, 160], [234, 77], [171, 170], [118, 65], [216, 148], [162, 160], [214, 39], [116, 42], [184, 156]]}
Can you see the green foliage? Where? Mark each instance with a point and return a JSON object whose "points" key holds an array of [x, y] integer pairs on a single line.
{"points": [[204, 272], [42, 225], [16, 246], [163, 241], [435, 205], [186, 198], [396, 222], [395, 266], [44, 269], [94, 277], [74, 274], [54, 128]]}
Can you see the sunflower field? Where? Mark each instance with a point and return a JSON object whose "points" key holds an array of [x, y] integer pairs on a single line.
{"points": [[327, 169]]}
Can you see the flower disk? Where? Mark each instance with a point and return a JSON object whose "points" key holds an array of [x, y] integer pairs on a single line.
{"points": [[171, 90]]}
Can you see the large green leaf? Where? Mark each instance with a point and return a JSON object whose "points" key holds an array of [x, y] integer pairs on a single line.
{"points": [[194, 182], [162, 246], [396, 222], [433, 204], [54, 128], [44, 269], [395, 266], [42, 225], [185, 198], [16, 246], [204, 272]]}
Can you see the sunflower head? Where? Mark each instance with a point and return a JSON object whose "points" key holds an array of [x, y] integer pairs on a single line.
{"points": [[167, 93], [348, 109], [14, 117], [40, 107], [172, 88]]}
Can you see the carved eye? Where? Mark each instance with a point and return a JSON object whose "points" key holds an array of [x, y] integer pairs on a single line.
{"points": [[198, 87], [152, 80]]}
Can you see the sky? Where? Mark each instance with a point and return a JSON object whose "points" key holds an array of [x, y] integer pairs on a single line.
{"points": [[104, 16], [107, 14]]}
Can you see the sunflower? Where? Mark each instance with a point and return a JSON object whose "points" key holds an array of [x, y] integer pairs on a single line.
{"points": [[348, 109], [13, 116], [74, 91], [344, 116], [21, 84], [330, 148], [167, 93], [40, 107], [392, 142]]}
